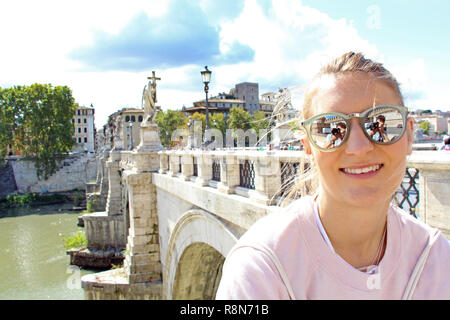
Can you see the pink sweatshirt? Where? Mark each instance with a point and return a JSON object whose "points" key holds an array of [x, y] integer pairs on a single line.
{"points": [[316, 272]]}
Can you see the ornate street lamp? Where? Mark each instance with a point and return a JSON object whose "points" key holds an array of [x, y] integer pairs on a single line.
{"points": [[130, 133], [190, 143], [206, 78]]}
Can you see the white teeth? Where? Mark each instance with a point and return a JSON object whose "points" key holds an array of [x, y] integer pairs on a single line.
{"points": [[363, 170]]}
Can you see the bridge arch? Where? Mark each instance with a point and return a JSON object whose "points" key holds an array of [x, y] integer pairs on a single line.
{"points": [[198, 236]]}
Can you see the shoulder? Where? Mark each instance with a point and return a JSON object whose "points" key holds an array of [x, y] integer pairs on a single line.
{"points": [[415, 236], [278, 228], [411, 227], [250, 270]]}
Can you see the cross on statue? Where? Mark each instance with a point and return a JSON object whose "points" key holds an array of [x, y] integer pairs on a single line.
{"points": [[149, 98], [153, 77]]}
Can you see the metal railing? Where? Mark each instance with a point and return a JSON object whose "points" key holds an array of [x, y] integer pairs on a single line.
{"points": [[216, 170], [289, 171], [407, 195], [195, 170], [247, 174]]}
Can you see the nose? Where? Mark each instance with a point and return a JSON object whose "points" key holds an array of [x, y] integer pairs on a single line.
{"points": [[357, 142]]}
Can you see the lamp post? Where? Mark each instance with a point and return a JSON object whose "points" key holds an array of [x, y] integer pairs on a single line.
{"points": [[190, 138], [206, 78], [130, 129]]}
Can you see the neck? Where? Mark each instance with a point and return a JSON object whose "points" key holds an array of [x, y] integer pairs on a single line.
{"points": [[355, 231]]}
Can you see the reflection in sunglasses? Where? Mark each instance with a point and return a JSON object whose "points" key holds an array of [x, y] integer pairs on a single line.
{"points": [[382, 125]]}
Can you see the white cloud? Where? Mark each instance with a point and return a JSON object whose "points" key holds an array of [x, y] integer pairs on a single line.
{"points": [[291, 42]]}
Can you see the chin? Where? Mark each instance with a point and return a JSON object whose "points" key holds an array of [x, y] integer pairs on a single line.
{"points": [[364, 197]]}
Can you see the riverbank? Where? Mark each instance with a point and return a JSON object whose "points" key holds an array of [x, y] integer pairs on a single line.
{"points": [[75, 197]]}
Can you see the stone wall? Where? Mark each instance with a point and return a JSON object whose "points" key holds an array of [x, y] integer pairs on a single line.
{"points": [[104, 232], [7, 180], [434, 181], [73, 173]]}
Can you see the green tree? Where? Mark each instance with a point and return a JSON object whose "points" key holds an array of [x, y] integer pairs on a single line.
{"points": [[239, 119], [425, 125], [41, 125], [168, 122], [197, 116], [6, 124], [260, 121], [218, 122]]}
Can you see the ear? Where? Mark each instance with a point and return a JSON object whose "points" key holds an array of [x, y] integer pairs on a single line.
{"points": [[306, 145], [410, 134]]}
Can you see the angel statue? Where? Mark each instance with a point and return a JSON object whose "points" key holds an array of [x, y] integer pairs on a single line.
{"points": [[283, 103], [149, 100]]}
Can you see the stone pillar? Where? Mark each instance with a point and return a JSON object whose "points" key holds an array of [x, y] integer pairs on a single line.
{"points": [[434, 181], [163, 162], [142, 262], [114, 201], [187, 166], [174, 164], [267, 179], [229, 172], [204, 169], [150, 141]]}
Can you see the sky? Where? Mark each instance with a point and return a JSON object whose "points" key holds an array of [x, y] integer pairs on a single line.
{"points": [[105, 50]]}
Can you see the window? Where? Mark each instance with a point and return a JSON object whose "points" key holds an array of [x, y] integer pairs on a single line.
{"points": [[140, 119], [79, 120], [84, 120], [85, 139], [85, 129], [127, 119], [133, 118], [79, 140], [79, 130], [78, 112]]}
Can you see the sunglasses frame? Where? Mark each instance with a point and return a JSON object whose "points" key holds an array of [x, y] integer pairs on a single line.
{"points": [[306, 124]]}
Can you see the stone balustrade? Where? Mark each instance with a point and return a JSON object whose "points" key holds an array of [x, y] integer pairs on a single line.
{"points": [[266, 169], [434, 187], [178, 206], [253, 174]]}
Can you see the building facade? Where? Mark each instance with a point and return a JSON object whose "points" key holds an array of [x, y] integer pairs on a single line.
{"points": [[438, 122], [122, 132], [244, 95], [249, 93], [267, 103], [131, 122], [84, 128]]}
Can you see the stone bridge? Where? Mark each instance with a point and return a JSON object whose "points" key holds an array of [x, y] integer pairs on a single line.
{"points": [[178, 213]]}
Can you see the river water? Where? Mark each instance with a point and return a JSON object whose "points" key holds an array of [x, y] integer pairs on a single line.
{"points": [[33, 260]]}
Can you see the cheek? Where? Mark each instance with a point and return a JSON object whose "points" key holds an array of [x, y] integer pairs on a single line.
{"points": [[397, 160], [326, 163]]}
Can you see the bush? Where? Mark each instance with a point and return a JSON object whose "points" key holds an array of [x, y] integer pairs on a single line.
{"points": [[90, 206], [78, 241], [12, 201]]}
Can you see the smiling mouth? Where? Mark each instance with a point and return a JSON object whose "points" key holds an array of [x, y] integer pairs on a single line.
{"points": [[365, 170]]}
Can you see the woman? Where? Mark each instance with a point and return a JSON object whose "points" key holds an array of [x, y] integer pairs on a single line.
{"points": [[347, 241]]}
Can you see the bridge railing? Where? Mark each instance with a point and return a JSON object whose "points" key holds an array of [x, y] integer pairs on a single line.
{"points": [[263, 176], [267, 177]]}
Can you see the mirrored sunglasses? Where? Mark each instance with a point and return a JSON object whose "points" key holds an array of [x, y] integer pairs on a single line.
{"points": [[383, 124]]}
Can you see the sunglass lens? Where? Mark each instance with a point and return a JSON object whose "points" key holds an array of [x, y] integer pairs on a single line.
{"points": [[384, 125], [328, 132]]}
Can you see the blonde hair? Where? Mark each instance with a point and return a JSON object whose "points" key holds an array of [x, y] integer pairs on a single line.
{"points": [[347, 63]]}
